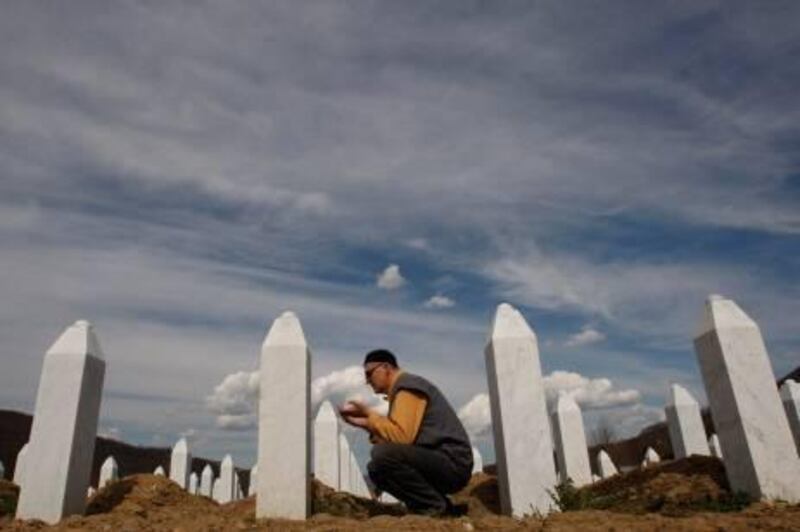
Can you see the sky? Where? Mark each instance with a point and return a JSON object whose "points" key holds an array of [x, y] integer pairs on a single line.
{"points": [[182, 173]]}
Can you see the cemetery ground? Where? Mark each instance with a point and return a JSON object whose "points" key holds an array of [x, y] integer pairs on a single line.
{"points": [[687, 494]]}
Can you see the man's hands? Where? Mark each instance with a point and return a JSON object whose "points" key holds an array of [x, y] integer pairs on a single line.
{"points": [[355, 413]]}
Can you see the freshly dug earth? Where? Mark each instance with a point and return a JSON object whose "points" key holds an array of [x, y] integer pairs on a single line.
{"points": [[672, 496]]}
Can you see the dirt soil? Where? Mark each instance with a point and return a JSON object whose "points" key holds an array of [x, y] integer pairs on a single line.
{"points": [[682, 495]]}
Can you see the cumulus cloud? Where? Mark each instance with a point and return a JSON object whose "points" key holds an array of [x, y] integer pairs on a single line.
{"points": [[438, 302], [390, 278], [585, 336], [235, 399], [589, 393], [476, 416]]}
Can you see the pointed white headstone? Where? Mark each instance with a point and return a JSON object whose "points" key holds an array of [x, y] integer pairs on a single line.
{"points": [[651, 456], [605, 465], [686, 430], [760, 455], [207, 481], [570, 440], [64, 427], [19, 468], [477, 461], [284, 428], [388, 498], [194, 484], [790, 394], [713, 445], [226, 481], [180, 463], [109, 472], [326, 446], [251, 488], [522, 442], [344, 464], [159, 472]]}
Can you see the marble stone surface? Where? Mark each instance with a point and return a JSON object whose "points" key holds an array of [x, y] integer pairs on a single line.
{"points": [[207, 481], [713, 446], [180, 463], [686, 430], [651, 456], [109, 472], [605, 465], [760, 454], [226, 480], [284, 427], [251, 488], [570, 441], [595, 478], [344, 464], [64, 427], [520, 424], [326, 446], [159, 472], [194, 484], [19, 468], [790, 394], [477, 461]]}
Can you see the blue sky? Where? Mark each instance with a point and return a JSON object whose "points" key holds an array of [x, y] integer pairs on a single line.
{"points": [[181, 174]]}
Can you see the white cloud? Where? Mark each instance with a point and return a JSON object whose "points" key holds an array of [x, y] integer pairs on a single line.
{"points": [[235, 395], [590, 394], [439, 301], [390, 278], [476, 416], [585, 336], [112, 433], [235, 399]]}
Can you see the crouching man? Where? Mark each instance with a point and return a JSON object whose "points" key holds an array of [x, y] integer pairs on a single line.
{"points": [[421, 452]]}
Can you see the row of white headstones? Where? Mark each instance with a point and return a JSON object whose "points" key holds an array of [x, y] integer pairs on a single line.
{"points": [[753, 428]]}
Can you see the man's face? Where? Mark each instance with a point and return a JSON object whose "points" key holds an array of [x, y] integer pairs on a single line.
{"points": [[377, 376]]}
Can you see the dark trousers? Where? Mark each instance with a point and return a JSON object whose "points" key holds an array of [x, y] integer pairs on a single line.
{"points": [[419, 477]]}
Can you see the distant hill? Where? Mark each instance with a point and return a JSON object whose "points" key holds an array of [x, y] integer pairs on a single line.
{"points": [[15, 429]]}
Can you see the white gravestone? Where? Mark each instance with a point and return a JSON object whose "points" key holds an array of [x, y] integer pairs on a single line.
{"points": [[344, 464], [207, 481], [284, 428], [686, 431], [64, 427], [109, 472], [326, 446], [180, 463], [651, 457], [251, 489], [215, 485], [19, 468], [713, 445], [605, 465], [477, 461], [522, 441], [90, 492], [226, 481], [159, 472], [570, 439], [790, 394], [760, 455], [193, 483]]}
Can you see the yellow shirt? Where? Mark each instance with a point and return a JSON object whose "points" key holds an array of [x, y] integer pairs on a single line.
{"points": [[404, 419]]}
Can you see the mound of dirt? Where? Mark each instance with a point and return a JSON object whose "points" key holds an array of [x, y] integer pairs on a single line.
{"points": [[650, 499], [678, 487]]}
